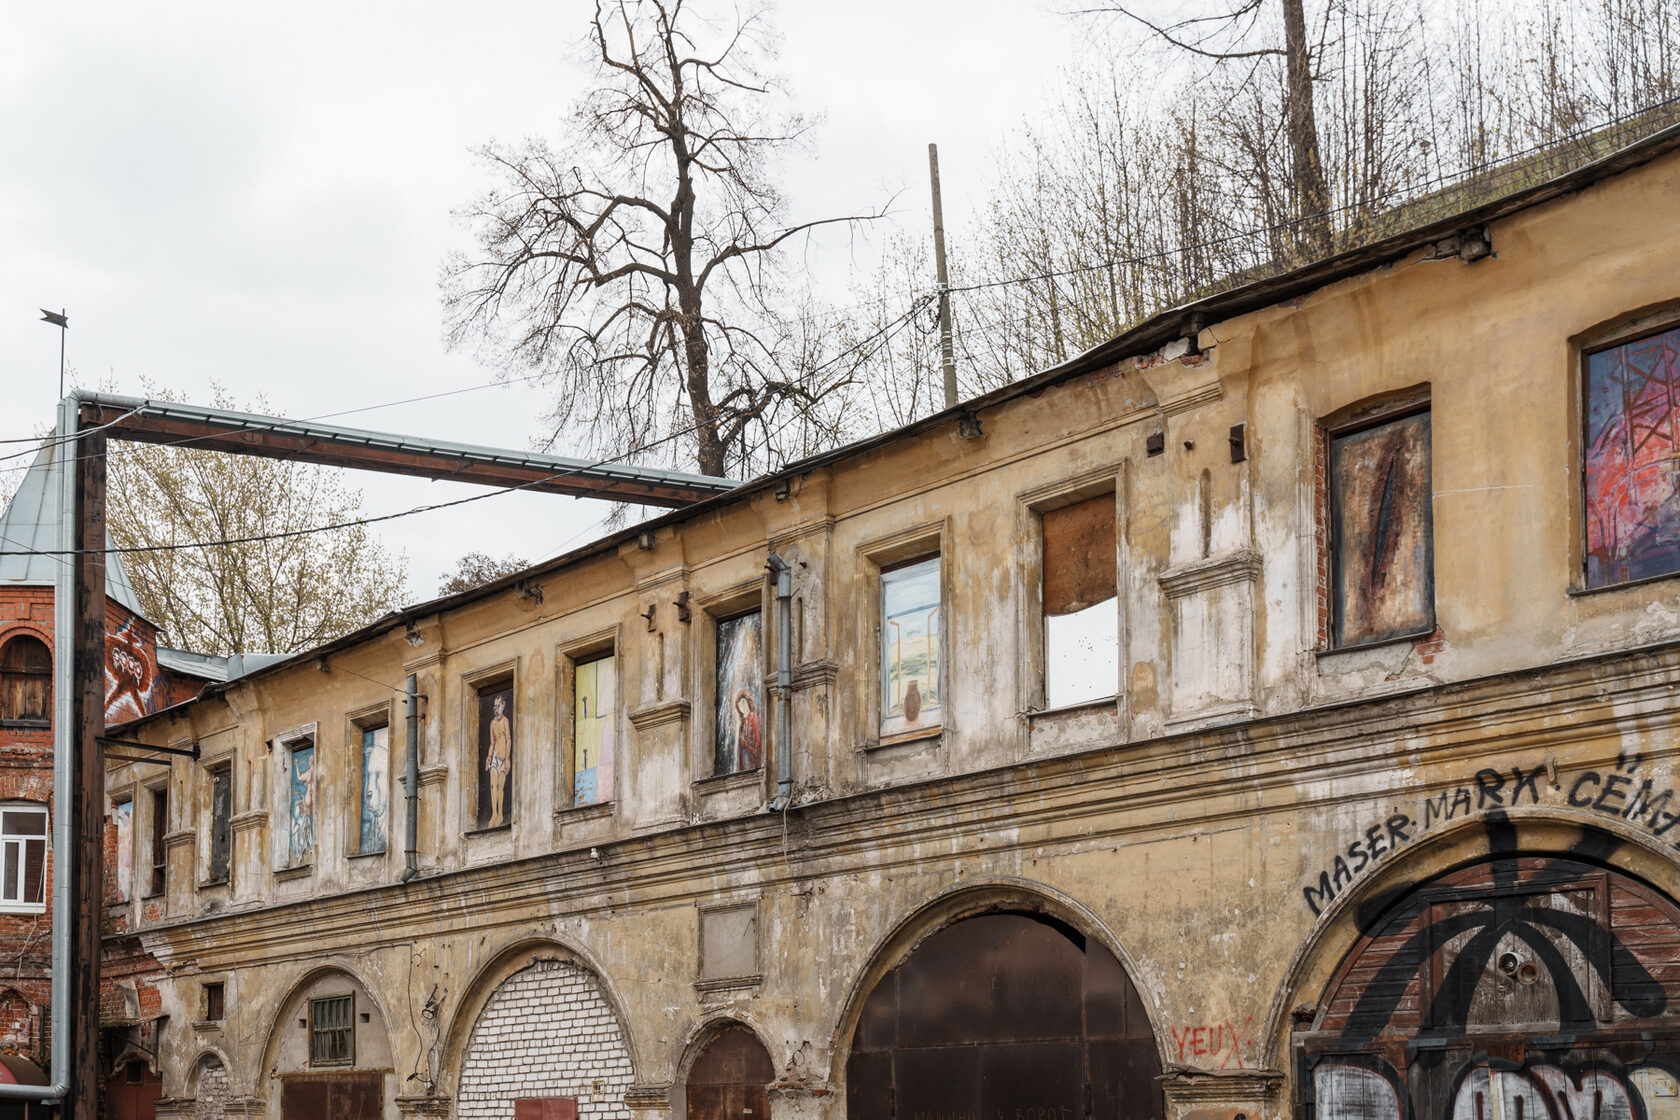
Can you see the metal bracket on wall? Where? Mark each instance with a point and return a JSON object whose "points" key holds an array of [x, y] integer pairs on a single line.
{"points": [[184, 752]]}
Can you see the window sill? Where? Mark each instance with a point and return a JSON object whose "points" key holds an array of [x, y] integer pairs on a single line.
{"points": [[1331, 652], [211, 884], [1583, 592], [598, 810], [380, 854], [1110, 701], [496, 830], [728, 983], [14, 908], [205, 1026], [287, 874], [718, 783], [25, 725], [906, 738]]}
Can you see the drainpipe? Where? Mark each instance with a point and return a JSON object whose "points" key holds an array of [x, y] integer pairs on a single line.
{"points": [[784, 680], [411, 782], [64, 769]]}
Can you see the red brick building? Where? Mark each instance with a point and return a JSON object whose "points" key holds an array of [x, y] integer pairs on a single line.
{"points": [[141, 677]]}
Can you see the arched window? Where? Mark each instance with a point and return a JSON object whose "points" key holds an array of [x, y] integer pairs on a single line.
{"points": [[26, 681]]}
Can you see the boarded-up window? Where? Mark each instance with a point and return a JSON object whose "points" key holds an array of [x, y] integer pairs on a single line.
{"points": [[1383, 580], [1081, 615], [160, 828], [26, 681], [911, 652], [495, 755], [739, 729], [594, 706], [221, 823], [545, 1108], [346, 1095], [1632, 467], [332, 1030]]}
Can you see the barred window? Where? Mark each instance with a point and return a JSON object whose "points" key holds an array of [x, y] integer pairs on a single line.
{"points": [[332, 1031]]}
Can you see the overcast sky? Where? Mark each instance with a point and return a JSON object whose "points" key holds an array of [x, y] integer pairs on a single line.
{"points": [[262, 196]]}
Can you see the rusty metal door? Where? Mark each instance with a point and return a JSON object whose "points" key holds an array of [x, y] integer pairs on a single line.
{"points": [[346, 1095], [1005, 1014], [729, 1078], [129, 1095], [545, 1108]]}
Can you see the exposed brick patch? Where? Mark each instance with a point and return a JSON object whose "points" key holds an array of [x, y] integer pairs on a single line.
{"points": [[546, 1032]]}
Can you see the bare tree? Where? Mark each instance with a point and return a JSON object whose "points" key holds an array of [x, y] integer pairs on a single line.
{"points": [[476, 569], [638, 262]]}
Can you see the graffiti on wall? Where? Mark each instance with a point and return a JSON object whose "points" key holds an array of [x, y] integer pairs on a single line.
{"points": [[1621, 793], [1486, 1090], [133, 685], [1215, 1045], [1633, 446]]}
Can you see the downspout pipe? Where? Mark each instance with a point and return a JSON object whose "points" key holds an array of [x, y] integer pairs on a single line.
{"points": [[784, 680], [411, 783], [64, 769]]}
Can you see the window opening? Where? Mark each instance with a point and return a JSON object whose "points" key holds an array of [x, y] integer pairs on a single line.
{"points": [[376, 790], [332, 1031], [26, 681], [23, 859], [910, 647], [122, 816], [1081, 608], [160, 827], [221, 827], [215, 1002], [1630, 469], [495, 755], [1382, 548], [738, 732], [300, 800], [594, 706]]}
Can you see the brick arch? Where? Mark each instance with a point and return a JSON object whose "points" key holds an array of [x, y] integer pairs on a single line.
{"points": [[546, 1030], [17, 1016], [209, 1085]]}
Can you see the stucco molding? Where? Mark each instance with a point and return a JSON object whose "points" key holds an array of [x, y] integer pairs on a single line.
{"points": [[245, 822], [1192, 399], [648, 1098], [1187, 1085], [180, 838], [423, 1106], [649, 716], [1180, 580], [823, 672], [817, 527], [433, 775]]}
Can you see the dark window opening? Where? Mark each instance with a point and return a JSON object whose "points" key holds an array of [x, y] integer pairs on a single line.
{"points": [[26, 682], [332, 1031], [215, 1002], [221, 823], [160, 827]]}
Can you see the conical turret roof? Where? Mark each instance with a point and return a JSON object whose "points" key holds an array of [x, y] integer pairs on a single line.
{"points": [[30, 525]]}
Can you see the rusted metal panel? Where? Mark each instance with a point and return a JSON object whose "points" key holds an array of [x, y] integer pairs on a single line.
{"points": [[728, 1080], [1632, 460], [340, 1095], [1004, 1014], [1079, 556], [1381, 531], [545, 1108], [1518, 987]]}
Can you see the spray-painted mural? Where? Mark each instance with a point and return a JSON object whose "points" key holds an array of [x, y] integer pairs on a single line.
{"points": [[1633, 460], [1521, 988], [133, 685]]}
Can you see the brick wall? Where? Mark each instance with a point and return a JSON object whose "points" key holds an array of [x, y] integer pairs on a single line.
{"points": [[546, 1032]]}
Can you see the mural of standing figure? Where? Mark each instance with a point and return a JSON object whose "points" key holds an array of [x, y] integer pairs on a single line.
{"points": [[749, 736], [499, 760]]}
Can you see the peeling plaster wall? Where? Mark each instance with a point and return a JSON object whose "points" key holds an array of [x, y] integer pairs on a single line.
{"points": [[1219, 826]]}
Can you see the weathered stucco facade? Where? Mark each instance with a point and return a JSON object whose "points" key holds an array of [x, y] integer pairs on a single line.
{"points": [[1235, 822]]}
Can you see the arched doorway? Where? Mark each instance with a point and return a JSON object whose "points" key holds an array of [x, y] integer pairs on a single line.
{"points": [[729, 1078], [1003, 1014], [330, 1053], [1517, 988]]}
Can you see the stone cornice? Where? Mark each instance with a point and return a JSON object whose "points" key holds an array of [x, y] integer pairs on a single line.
{"points": [[245, 822], [1216, 571], [809, 673], [179, 838], [658, 714]]}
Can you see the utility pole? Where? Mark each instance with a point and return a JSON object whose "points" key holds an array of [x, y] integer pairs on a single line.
{"points": [[947, 355]]}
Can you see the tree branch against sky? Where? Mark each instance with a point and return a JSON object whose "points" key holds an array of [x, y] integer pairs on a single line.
{"points": [[639, 260]]}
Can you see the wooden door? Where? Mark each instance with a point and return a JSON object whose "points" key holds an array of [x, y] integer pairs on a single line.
{"points": [[729, 1078]]}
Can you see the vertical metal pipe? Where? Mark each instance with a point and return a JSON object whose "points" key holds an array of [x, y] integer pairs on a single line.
{"points": [[411, 783], [784, 680]]}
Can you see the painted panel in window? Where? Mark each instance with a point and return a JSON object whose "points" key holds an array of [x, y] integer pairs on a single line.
{"points": [[123, 817], [594, 702], [740, 694], [1633, 460], [1383, 552], [301, 790], [910, 648], [495, 757], [376, 789]]}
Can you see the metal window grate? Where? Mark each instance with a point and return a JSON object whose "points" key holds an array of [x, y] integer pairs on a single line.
{"points": [[332, 1031]]}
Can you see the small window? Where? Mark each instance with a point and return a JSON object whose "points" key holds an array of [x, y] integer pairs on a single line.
{"points": [[911, 653], [495, 755], [221, 823], [122, 816], [376, 790], [332, 1031], [134, 1073], [26, 682], [738, 734], [1382, 551], [23, 859], [1081, 611], [160, 828], [1631, 470], [215, 1002], [594, 705]]}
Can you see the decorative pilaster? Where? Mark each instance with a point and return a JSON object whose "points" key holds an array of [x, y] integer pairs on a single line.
{"points": [[421, 1108], [1236, 1094], [648, 1102]]}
